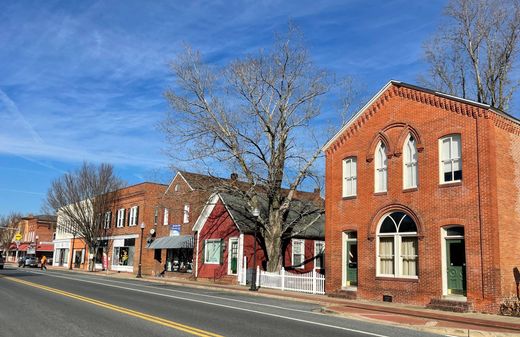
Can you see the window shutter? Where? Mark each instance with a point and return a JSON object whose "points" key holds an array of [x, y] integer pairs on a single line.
{"points": [[109, 218], [137, 215], [129, 216], [221, 251], [124, 217], [204, 251]]}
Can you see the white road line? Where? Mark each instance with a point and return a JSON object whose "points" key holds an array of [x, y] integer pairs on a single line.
{"points": [[88, 277], [220, 305]]}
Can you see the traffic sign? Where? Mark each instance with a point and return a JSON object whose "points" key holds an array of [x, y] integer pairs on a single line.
{"points": [[18, 237]]}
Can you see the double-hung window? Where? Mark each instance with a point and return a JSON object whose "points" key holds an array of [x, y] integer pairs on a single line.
{"points": [[350, 177], [381, 168], [120, 217], [450, 159], [186, 214], [165, 219], [298, 253], [133, 216], [212, 251], [319, 253], [410, 163], [108, 218]]}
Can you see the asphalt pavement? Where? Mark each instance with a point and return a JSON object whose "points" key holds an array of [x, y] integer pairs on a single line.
{"points": [[53, 303]]}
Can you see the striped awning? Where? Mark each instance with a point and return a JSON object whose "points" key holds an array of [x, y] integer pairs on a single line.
{"points": [[172, 242]]}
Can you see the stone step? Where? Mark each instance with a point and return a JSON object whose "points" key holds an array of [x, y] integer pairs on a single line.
{"points": [[346, 294], [449, 305]]}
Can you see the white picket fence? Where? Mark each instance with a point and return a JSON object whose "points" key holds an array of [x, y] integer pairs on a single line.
{"points": [[311, 282]]}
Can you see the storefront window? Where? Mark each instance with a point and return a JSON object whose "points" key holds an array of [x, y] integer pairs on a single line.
{"points": [[124, 255]]}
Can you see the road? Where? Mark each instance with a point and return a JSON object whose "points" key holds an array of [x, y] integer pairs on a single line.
{"points": [[55, 303]]}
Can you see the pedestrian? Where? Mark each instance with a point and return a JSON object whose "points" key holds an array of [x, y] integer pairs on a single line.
{"points": [[43, 262]]}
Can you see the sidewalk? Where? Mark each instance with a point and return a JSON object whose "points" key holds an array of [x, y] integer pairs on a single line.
{"points": [[415, 317]]}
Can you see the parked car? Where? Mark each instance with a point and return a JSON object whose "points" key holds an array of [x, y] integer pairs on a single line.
{"points": [[30, 261], [1, 262]]}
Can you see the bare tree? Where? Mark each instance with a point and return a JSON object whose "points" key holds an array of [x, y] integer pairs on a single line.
{"points": [[255, 116], [81, 198], [8, 229], [474, 53]]}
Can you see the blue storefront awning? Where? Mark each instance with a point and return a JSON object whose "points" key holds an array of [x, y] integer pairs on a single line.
{"points": [[172, 242]]}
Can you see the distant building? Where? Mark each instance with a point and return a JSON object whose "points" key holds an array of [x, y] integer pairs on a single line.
{"points": [[423, 202]]}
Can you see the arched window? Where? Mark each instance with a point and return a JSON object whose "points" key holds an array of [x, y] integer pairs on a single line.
{"points": [[380, 168], [397, 246], [410, 163]]}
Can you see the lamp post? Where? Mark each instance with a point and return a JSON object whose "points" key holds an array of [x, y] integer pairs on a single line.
{"points": [[256, 213], [140, 251]]}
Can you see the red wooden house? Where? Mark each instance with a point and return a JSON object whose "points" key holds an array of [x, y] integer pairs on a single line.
{"points": [[225, 238]]}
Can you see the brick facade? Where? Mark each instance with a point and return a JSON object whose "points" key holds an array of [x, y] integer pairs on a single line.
{"points": [[486, 201]]}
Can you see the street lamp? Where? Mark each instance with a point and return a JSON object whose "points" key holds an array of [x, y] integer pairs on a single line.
{"points": [[140, 251], [256, 213]]}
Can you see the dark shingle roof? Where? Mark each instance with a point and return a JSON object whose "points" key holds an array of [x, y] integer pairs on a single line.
{"points": [[306, 217]]}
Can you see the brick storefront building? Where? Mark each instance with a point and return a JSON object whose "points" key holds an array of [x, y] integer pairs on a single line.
{"points": [[423, 201]]}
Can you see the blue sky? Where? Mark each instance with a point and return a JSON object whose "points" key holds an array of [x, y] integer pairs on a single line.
{"points": [[84, 80]]}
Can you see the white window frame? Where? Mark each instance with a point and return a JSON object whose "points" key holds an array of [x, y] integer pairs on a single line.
{"points": [[317, 252], [398, 259], [186, 214], [380, 169], [108, 218], [350, 177], [120, 218], [212, 241], [230, 244], [156, 215], [301, 242], [410, 162], [133, 216], [451, 159], [166, 215]]}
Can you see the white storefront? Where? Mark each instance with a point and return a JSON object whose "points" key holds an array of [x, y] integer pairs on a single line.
{"points": [[61, 253], [123, 253]]}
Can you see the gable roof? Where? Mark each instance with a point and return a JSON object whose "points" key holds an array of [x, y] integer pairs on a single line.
{"points": [[305, 216], [400, 84]]}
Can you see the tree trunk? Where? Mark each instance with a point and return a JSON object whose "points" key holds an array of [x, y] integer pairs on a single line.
{"points": [[91, 258], [273, 242]]}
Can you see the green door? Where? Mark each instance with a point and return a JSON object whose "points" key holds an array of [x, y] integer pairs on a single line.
{"points": [[352, 263], [234, 256], [456, 266]]}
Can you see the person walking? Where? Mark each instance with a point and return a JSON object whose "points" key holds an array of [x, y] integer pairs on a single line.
{"points": [[44, 262]]}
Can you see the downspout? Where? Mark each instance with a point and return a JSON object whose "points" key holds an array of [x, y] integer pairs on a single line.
{"points": [[479, 208], [197, 256]]}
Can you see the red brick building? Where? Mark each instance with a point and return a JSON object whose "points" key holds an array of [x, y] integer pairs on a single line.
{"points": [[423, 201], [121, 242], [224, 241], [37, 234]]}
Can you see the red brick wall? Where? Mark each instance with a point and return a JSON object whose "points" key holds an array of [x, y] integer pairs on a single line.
{"points": [[218, 226], [508, 186], [434, 206]]}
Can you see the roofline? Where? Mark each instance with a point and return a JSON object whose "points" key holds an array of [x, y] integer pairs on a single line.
{"points": [[179, 173], [418, 88], [205, 213]]}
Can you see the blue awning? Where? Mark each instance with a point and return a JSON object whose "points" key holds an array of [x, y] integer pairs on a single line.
{"points": [[172, 242]]}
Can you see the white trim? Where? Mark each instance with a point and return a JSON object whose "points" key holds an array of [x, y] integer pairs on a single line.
{"points": [[230, 240], [166, 216], [412, 163], [344, 260], [206, 250], [380, 168], [444, 266], [197, 258], [349, 177], [396, 249], [115, 237], [132, 217], [176, 175], [441, 168], [316, 253], [186, 214], [302, 242], [206, 212], [118, 218]]}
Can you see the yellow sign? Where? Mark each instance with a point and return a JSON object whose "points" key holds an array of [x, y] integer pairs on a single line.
{"points": [[18, 237]]}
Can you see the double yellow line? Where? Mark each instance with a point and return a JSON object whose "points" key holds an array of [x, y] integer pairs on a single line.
{"points": [[126, 311]]}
